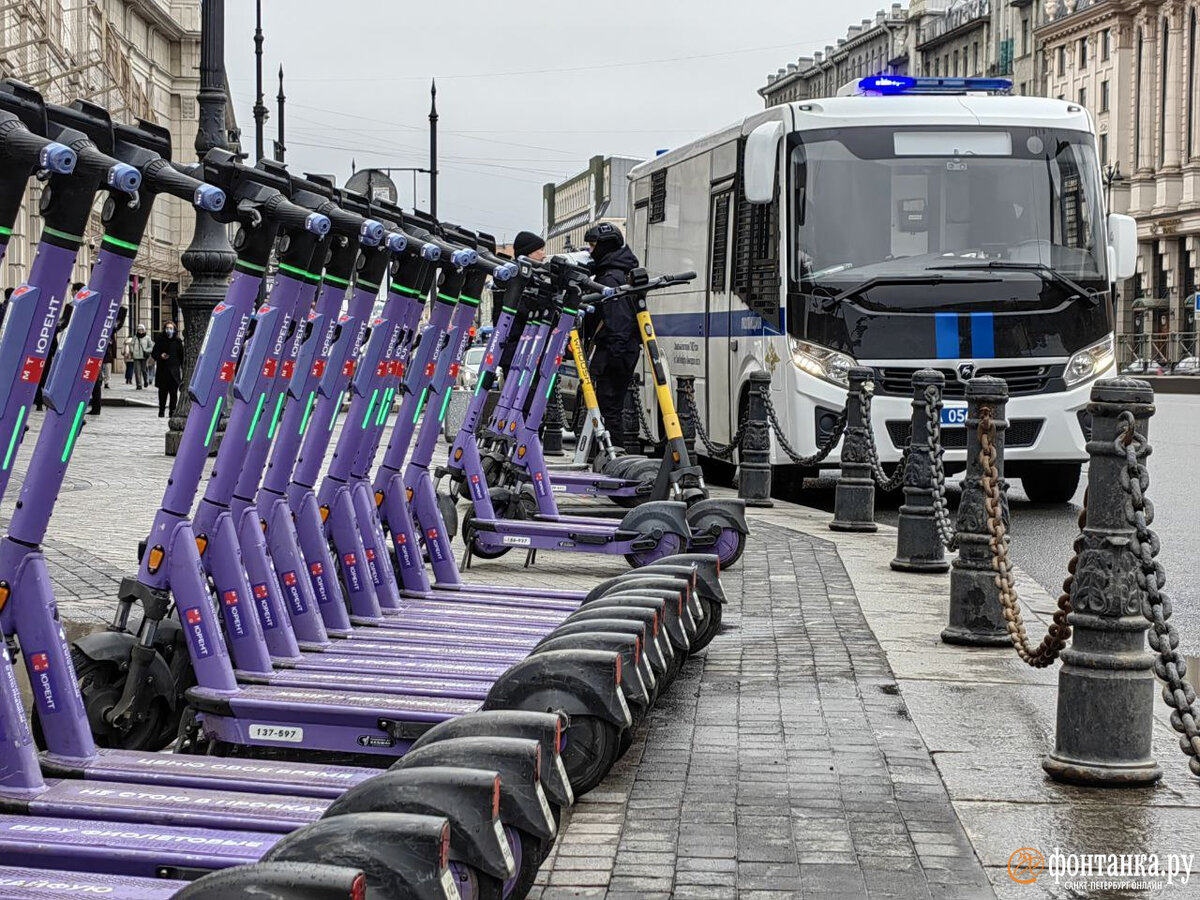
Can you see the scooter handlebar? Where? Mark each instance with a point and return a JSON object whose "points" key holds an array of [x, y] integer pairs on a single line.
{"points": [[289, 215], [163, 178], [22, 145], [117, 175]]}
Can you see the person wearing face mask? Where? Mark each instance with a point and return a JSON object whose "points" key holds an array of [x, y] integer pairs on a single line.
{"points": [[168, 357], [139, 349]]}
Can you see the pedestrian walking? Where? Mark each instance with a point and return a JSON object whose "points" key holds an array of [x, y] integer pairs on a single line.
{"points": [[168, 358], [615, 342], [139, 350]]}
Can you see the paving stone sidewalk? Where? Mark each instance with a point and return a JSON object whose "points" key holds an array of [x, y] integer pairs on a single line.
{"points": [[783, 763]]}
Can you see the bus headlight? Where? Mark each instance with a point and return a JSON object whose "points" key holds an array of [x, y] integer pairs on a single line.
{"points": [[821, 362], [1090, 362]]}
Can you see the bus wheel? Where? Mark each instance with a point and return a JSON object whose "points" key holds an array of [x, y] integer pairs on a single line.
{"points": [[1050, 482]]}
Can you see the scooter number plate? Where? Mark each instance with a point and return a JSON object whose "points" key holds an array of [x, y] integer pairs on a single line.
{"points": [[275, 733], [504, 848], [449, 888], [541, 795], [954, 416]]}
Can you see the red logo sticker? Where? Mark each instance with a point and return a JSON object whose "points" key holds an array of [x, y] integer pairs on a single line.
{"points": [[489, 359], [429, 370], [348, 368], [40, 662], [318, 368], [193, 616], [91, 369], [31, 372], [227, 370], [289, 579], [351, 559], [231, 598], [433, 534], [260, 591], [383, 369], [453, 370], [370, 554], [287, 369], [269, 368], [401, 539], [316, 568], [264, 309], [220, 307]]}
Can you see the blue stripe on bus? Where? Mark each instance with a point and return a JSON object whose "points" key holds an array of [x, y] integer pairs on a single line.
{"points": [[983, 335], [945, 332], [721, 324]]}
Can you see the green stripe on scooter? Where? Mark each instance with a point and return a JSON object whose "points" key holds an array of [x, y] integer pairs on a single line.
{"points": [[74, 432], [12, 441]]}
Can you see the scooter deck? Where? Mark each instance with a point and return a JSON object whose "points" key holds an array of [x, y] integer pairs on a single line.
{"points": [[461, 615], [82, 845], [18, 883], [190, 807], [328, 659], [475, 594], [362, 641], [332, 707], [428, 686], [258, 776]]}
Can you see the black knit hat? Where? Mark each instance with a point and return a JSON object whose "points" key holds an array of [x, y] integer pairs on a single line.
{"points": [[527, 242]]}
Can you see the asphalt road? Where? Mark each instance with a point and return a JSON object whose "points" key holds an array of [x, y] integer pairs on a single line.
{"points": [[1043, 535]]}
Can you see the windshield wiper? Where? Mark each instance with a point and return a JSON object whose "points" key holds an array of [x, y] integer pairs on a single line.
{"points": [[1089, 294], [877, 280]]}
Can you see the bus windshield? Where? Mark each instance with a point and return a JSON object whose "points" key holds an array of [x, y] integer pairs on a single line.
{"points": [[879, 202]]}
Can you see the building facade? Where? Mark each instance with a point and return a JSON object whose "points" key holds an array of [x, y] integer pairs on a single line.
{"points": [[139, 59], [597, 194], [1134, 64]]}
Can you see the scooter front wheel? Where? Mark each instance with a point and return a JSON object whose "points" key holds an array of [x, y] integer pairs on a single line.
{"points": [[471, 539], [729, 546], [101, 684], [591, 746]]}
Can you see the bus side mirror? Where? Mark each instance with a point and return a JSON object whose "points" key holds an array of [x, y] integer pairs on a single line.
{"points": [[759, 163], [1122, 246]]}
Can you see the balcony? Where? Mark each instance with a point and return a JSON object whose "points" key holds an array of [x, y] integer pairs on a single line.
{"points": [[961, 16]]}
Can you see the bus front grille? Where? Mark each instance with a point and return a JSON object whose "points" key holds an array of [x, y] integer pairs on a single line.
{"points": [[896, 381]]}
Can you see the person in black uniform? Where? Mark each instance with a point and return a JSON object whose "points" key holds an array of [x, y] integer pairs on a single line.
{"points": [[168, 356], [528, 244], [615, 342]]}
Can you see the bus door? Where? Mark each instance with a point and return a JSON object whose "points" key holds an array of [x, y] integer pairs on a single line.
{"points": [[716, 400]]}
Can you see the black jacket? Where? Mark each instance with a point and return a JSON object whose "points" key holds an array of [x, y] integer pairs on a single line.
{"points": [[619, 335], [168, 360]]}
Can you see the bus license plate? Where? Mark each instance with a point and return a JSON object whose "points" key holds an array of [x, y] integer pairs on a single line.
{"points": [[954, 416]]}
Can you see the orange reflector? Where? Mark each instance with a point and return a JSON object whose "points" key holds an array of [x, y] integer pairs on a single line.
{"points": [[618, 669], [444, 860], [358, 890], [496, 798], [263, 523], [537, 764], [458, 454], [521, 452], [558, 735], [637, 650], [324, 513], [675, 456], [379, 498], [155, 560], [201, 543], [5, 590], [512, 426], [408, 493], [471, 331]]}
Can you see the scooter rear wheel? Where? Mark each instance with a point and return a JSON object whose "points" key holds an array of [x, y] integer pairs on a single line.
{"points": [[466, 879], [668, 545], [729, 547], [470, 535], [591, 747]]}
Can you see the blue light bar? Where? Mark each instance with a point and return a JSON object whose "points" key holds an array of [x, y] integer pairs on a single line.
{"points": [[906, 84]]}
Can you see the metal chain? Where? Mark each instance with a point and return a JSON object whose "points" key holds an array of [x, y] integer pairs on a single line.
{"points": [[1151, 578], [644, 432], [1056, 638], [716, 451], [823, 450], [881, 477], [941, 510]]}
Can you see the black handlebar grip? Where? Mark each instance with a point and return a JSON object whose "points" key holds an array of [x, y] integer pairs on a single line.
{"points": [[117, 175], [344, 221], [289, 215], [28, 149], [682, 276], [163, 178]]}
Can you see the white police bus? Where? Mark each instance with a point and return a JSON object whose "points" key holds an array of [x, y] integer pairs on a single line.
{"points": [[906, 223]]}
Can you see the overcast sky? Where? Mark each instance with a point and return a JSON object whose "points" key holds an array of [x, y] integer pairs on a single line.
{"points": [[527, 92]]}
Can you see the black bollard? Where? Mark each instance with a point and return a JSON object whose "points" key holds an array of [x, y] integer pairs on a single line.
{"points": [[854, 500], [976, 617], [552, 435], [754, 456], [1106, 685], [919, 546], [685, 408], [629, 429]]}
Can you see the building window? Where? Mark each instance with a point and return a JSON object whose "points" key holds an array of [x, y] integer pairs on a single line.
{"points": [[1104, 149], [955, 63], [946, 63], [1105, 43], [1104, 96], [1062, 60], [975, 58], [1083, 53], [1024, 35], [937, 68], [1083, 97], [1023, 89]]}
